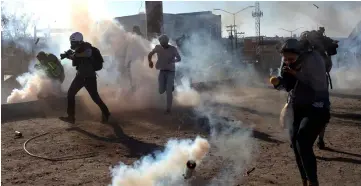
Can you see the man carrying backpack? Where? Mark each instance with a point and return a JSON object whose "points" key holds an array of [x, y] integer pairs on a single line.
{"points": [[304, 77], [87, 60], [326, 47]]}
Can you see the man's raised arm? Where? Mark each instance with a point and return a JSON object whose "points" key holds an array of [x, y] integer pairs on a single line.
{"points": [[150, 55]]}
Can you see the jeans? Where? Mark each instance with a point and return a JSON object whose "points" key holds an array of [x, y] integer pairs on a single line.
{"points": [[90, 83], [166, 84], [308, 123]]}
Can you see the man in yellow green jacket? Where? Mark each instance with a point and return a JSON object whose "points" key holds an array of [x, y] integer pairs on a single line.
{"points": [[53, 69]]}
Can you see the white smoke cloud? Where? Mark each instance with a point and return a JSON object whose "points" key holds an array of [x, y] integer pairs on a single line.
{"points": [[347, 63], [207, 61], [33, 83], [166, 168]]}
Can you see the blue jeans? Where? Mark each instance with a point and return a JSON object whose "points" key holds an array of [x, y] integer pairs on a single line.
{"points": [[166, 84]]}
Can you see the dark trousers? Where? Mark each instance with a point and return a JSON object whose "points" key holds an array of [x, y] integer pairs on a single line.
{"points": [[308, 123], [322, 134], [90, 83]]}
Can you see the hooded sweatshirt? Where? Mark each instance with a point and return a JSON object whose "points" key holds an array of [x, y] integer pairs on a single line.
{"points": [[166, 57], [311, 86]]}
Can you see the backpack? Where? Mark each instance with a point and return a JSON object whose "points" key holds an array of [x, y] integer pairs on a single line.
{"points": [[97, 59], [322, 44]]}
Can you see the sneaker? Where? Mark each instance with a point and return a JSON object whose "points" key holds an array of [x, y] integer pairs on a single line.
{"points": [[321, 145], [105, 118], [68, 119]]}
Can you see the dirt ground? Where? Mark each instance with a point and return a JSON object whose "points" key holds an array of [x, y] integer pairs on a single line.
{"points": [[130, 135]]}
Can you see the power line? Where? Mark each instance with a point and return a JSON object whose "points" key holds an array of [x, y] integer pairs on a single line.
{"points": [[141, 5]]}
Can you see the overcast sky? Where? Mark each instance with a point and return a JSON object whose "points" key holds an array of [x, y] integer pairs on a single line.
{"points": [[339, 18]]}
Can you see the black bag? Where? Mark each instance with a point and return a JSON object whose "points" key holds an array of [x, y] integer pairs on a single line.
{"points": [[97, 59]]}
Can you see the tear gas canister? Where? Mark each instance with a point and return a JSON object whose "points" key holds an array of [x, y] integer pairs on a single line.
{"points": [[190, 167], [18, 134]]}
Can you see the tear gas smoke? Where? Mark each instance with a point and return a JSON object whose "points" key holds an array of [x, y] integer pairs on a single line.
{"points": [[202, 65], [33, 83], [230, 140], [347, 63], [335, 16], [166, 168]]}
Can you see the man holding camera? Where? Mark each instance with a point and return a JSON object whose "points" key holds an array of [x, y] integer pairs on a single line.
{"points": [[304, 77], [86, 64]]}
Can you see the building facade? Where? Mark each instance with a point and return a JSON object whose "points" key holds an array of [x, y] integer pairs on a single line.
{"points": [[176, 25], [270, 58]]}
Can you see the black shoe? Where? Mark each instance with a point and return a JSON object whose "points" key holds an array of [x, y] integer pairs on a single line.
{"points": [[105, 118], [68, 119], [304, 182], [173, 89], [321, 145], [167, 112]]}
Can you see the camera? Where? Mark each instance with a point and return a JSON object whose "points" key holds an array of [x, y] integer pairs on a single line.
{"points": [[66, 54]]}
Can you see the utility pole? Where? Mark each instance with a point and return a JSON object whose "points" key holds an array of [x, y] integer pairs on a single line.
{"points": [[233, 27], [236, 34], [257, 14], [231, 37], [154, 15]]}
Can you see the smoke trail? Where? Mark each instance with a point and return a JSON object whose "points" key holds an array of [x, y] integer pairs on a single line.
{"points": [[166, 168]]}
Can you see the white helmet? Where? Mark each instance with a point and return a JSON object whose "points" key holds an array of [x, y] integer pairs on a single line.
{"points": [[77, 37], [163, 39]]}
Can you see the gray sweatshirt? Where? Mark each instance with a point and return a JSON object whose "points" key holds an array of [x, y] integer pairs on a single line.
{"points": [[166, 57], [312, 85]]}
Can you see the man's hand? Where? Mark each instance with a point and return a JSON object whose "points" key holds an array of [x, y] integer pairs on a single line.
{"points": [[150, 64], [289, 70], [71, 56]]}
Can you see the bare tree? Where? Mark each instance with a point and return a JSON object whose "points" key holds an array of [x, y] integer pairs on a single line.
{"points": [[17, 43], [13, 25]]}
